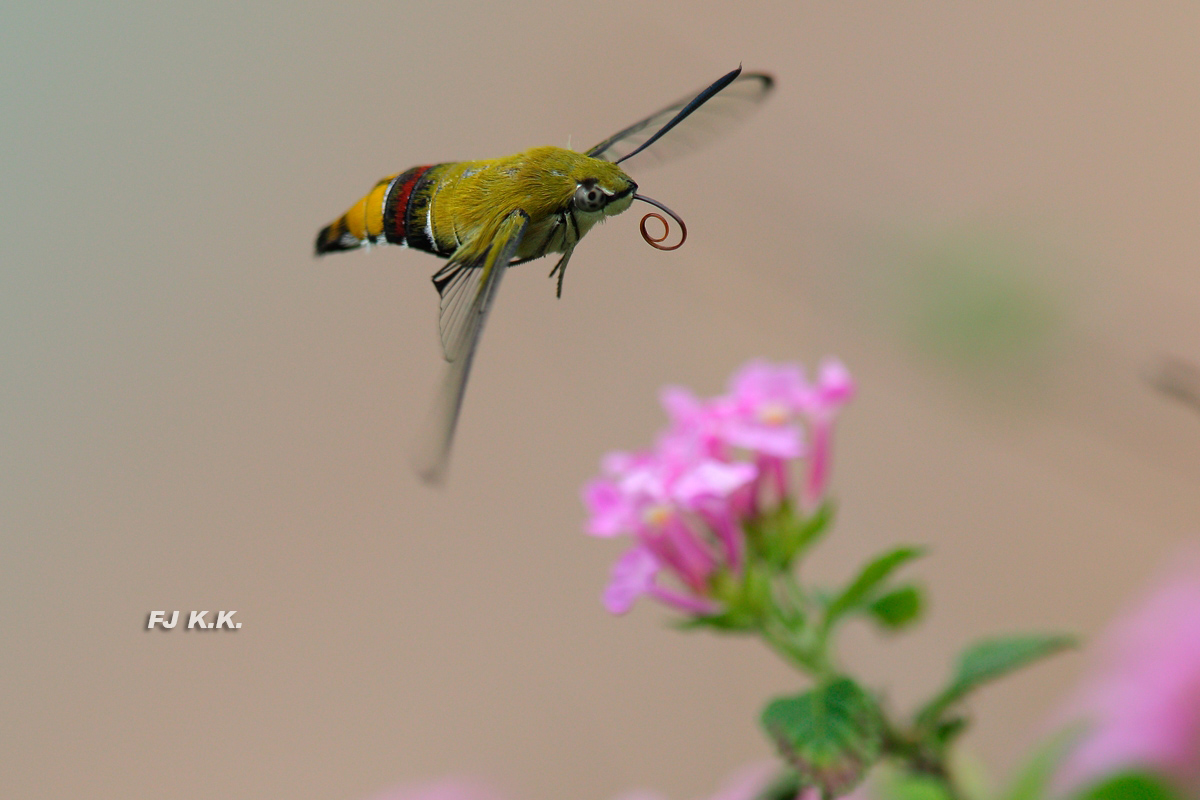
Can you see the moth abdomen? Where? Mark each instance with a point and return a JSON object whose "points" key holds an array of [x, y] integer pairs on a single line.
{"points": [[381, 217]]}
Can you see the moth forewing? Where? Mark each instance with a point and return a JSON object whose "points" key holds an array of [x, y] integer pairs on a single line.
{"points": [[483, 279], [731, 103]]}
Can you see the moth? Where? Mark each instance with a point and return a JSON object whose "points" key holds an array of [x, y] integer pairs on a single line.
{"points": [[486, 216]]}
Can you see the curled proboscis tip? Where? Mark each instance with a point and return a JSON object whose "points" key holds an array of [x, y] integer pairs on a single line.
{"points": [[656, 242]]}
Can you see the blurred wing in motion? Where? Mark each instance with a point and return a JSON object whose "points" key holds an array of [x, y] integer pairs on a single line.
{"points": [[1179, 379], [708, 113], [467, 289]]}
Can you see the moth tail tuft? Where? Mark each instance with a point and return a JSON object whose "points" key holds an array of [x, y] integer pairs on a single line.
{"points": [[334, 237]]}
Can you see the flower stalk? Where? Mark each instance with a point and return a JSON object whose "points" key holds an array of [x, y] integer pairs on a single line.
{"points": [[721, 513]]}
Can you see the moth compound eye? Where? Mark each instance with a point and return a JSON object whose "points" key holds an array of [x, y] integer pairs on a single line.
{"points": [[588, 197]]}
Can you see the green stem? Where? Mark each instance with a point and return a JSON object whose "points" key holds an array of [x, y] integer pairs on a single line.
{"points": [[789, 623], [781, 639], [907, 748], [796, 597], [788, 633]]}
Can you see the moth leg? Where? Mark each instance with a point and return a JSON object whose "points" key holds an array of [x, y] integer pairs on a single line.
{"points": [[561, 269]]}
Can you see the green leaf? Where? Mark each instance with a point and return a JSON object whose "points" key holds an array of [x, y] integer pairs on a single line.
{"points": [[916, 787], [897, 608], [804, 533], [987, 660], [831, 735], [1132, 786], [780, 535], [728, 622], [949, 730], [784, 786], [867, 581]]}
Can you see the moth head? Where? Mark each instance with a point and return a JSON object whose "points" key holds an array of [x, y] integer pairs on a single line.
{"points": [[590, 197], [604, 188]]}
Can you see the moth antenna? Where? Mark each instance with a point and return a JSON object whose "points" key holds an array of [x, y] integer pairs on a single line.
{"points": [[654, 242]]}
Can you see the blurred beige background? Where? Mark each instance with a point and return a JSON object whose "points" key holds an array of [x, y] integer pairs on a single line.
{"points": [[989, 211]]}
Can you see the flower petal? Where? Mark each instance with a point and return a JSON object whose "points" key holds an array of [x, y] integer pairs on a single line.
{"points": [[632, 576], [712, 479]]}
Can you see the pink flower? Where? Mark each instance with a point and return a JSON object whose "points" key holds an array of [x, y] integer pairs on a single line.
{"points": [[695, 423], [646, 489], [450, 789], [635, 574], [747, 782], [744, 784], [675, 505], [821, 403], [685, 502], [763, 401], [758, 415], [1142, 703], [834, 389]]}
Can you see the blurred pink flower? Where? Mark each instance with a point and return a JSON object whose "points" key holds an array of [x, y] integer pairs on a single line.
{"points": [[635, 574], [744, 784], [448, 789], [1142, 703], [763, 402], [747, 782]]}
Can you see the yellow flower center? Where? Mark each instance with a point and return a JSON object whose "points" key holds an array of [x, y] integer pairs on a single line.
{"points": [[773, 414], [657, 516]]}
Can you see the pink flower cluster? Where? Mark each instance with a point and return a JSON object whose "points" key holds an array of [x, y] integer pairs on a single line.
{"points": [[1141, 705], [744, 784], [720, 461]]}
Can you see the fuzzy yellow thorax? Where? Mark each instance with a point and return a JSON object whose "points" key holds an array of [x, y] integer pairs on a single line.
{"points": [[473, 197]]}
